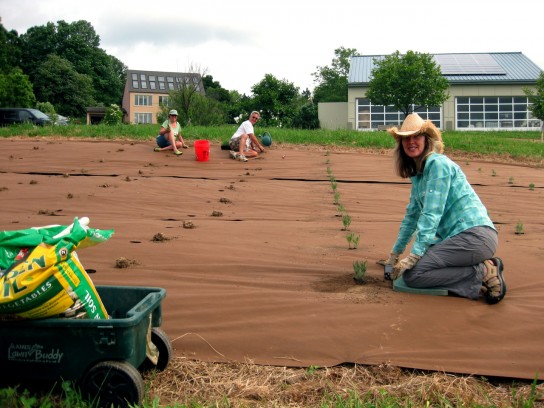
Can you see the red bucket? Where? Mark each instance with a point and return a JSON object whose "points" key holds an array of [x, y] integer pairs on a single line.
{"points": [[202, 150]]}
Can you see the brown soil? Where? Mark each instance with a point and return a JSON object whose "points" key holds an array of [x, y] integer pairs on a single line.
{"points": [[270, 280]]}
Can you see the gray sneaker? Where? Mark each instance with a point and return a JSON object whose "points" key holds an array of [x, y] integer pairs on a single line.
{"points": [[232, 155], [241, 157]]}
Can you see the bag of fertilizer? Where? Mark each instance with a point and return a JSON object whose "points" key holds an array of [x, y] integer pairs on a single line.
{"points": [[41, 275]]}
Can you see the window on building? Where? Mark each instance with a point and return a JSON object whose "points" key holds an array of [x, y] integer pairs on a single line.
{"points": [[135, 84], [164, 100], [140, 117], [144, 85], [134, 77], [492, 112], [162, 85], [143, 100], [152, 85], [373, 117]]}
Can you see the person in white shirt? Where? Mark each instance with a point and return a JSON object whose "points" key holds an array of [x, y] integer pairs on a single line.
{"points": [[244, 143]]}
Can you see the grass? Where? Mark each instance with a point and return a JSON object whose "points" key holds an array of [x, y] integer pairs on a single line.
{"points": [[194, 384], [513, 145]]}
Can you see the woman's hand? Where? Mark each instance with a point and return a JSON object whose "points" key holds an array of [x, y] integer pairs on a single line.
{"points": [[407, 263]]}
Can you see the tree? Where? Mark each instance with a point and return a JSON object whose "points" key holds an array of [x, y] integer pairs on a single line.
{"points": [[77, 43], [332, 82], [10, 50], [16, 90], [190, 86], [113, 115], [276, 100], [214, 90], [306, 117], [536, 98], [206, 111], [59, 83], [406, 80]]}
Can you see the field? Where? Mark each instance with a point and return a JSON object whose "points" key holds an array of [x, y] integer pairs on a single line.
{"points": [[261, 306]]}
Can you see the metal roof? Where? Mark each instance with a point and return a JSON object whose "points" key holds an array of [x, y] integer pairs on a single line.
{"points": [[462, 68]]}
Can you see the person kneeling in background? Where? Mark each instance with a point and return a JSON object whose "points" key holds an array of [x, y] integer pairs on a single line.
{"points": [[170, 135]]}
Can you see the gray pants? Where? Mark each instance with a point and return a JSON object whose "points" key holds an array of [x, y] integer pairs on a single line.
{"points": [[455, 264]]}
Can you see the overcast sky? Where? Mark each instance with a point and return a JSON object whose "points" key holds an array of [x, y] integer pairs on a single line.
{"points": [[239, 41]]}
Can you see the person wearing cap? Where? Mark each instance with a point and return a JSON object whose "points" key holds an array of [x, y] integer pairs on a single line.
{"points": [[243, 142], [454, 238], [170, 137]]}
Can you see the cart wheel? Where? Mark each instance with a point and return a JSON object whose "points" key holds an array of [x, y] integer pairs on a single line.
{"points": [[115, 383], [160, 339]]}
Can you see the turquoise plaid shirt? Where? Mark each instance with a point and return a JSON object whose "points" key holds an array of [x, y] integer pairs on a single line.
{"points": [[442, 204]]}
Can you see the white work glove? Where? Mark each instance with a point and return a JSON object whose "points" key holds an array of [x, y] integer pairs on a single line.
{"points": [[392, 260], [407, 263]]}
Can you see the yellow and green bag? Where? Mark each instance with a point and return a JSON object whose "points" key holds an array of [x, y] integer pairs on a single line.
{"points": [[48, 280]]}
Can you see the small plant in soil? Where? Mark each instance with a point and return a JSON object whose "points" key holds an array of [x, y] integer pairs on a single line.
{"points": [[329, 171], [334, 186], [341, 208], [346, 220], [493, 173], [519, 228], [532, 186], [359, 271], [511, 180], [353, 240], [336, 197]]}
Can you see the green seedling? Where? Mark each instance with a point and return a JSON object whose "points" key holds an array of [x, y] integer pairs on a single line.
{"points": [[493, 173], [359, 270], [341, 208], [329, 171], [532, 186], [332, 179], [327, 153], [312, 369], [336, 197], [519, 228], [353, 240], [511, 180], [346, 220], [334, 185]]}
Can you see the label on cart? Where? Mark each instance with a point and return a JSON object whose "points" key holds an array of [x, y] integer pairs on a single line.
{"points": [[34, 353]]}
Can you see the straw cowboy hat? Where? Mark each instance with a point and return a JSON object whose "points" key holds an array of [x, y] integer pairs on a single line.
{"points": [[413, 125]]}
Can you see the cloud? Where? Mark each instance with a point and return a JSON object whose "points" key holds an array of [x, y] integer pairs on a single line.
{"points": [[160, 33]]}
